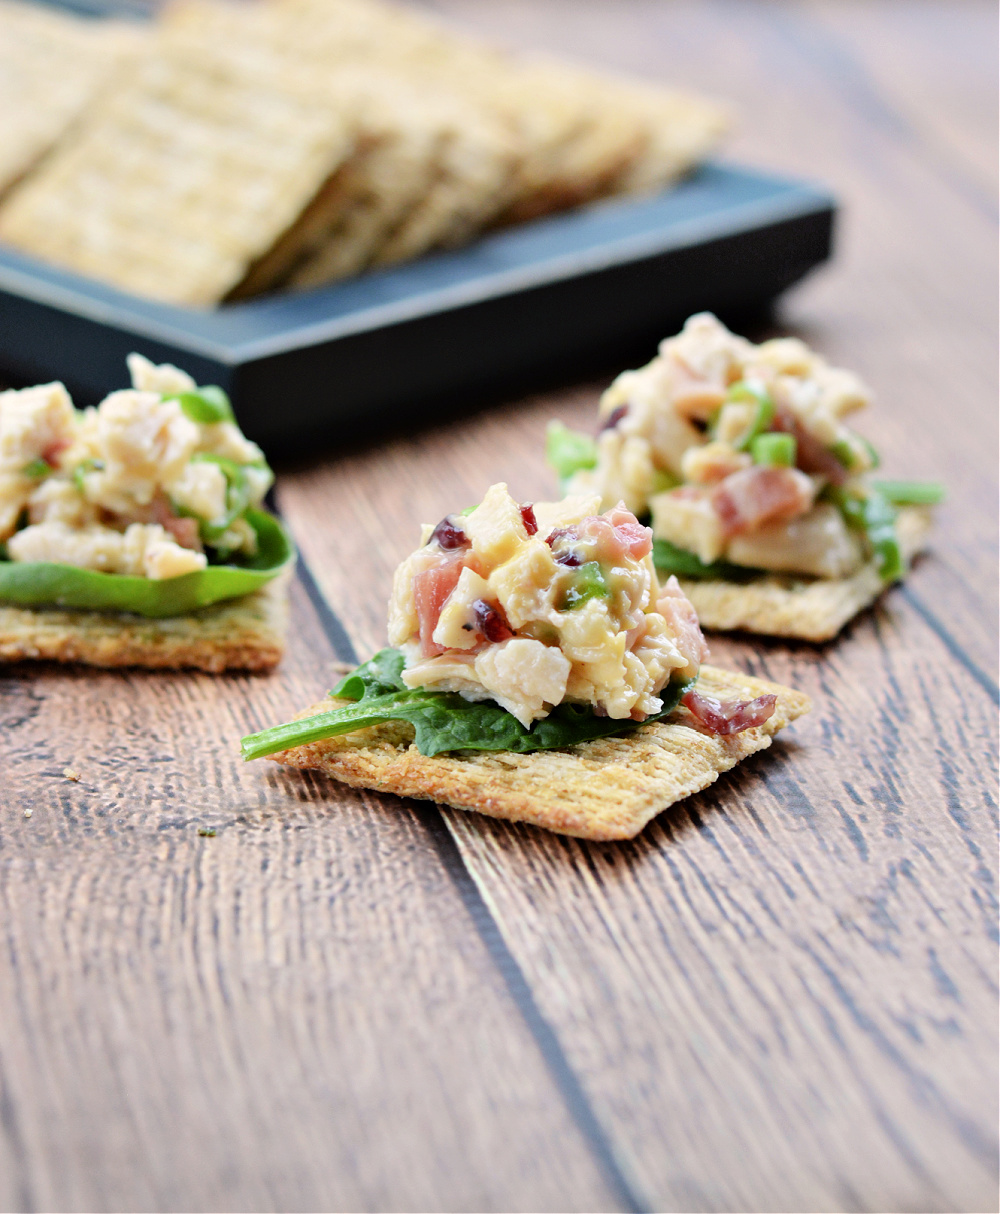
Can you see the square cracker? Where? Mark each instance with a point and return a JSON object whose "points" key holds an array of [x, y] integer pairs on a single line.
{"points": [[207, 164], [605, 789], [240, 634], [52, 65], [812, 610]]}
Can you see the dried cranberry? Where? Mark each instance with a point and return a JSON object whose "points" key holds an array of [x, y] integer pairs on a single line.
{"points": [[491, 621], [614, 417], [571, 557], [449, 534], [528, 518]]}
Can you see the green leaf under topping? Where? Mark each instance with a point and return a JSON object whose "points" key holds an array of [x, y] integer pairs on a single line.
{"points": [[379, 676], [444, 721], [237, 494], [45, 584], [668, 558], [208, 405], [569, 451]]}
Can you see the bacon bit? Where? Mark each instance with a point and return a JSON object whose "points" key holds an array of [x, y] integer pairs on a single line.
{"points": [[811, 455], [54, 450], [758, 495], [613, 418], [678, 610], [491, 621], [723, 719], [529, 520], [449, 534], [431, 588], [184, 530], [614, 535], [636, 539]]}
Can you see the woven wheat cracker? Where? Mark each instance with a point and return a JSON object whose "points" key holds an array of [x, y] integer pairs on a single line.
{"points": [[52, 65], [605, 789], [210, 163], [240, 634], [813, 610]]}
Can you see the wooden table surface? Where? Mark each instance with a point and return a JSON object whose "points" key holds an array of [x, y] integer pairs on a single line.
{"points": [[781, 997]]}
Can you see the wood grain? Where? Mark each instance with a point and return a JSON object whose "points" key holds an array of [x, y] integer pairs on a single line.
{"points": [[782, 996], [295, 1014]]}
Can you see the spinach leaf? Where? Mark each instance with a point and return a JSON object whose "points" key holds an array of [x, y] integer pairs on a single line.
{"points": [[379, 676], [208, 405], [444, 721], [46, 584], [567, 451], [668, 558]]}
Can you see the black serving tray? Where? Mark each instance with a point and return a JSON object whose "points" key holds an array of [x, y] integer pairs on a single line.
{"points": [[516, 305]]}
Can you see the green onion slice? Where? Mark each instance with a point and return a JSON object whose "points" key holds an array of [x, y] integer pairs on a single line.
{"points": [[589, 583], [874, 515], [763, 415], [37, 469], [774, 450], [911, 493]]}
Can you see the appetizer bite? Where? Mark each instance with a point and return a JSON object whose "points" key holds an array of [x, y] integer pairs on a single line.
{"points": [[539, 672], [132, 533], [758, 491]]}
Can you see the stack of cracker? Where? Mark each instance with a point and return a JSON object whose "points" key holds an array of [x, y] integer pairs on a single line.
{"points": [[290, 143], [52, 66]]}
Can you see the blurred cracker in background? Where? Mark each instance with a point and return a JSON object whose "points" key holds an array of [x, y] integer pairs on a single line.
{"points": [[294, 142], [52, 65]]}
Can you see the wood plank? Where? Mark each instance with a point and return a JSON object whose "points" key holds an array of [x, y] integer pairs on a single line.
{"points": [[782, 996], [296, 1013], [795, 973]]}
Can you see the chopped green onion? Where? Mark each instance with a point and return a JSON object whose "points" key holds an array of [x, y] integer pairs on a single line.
{"points": [[569, 451], [589, 583], [872, 453], [763, 414], [662, 481], [237, 495], [911, 493], [37, 469], [875, 515], [847, 454], [81, 470], [774, 450], [208, 406]]}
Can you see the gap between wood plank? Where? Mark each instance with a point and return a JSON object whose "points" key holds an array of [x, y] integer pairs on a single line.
{"points": [[545, 1037], [941, 631], [838, 61]]}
